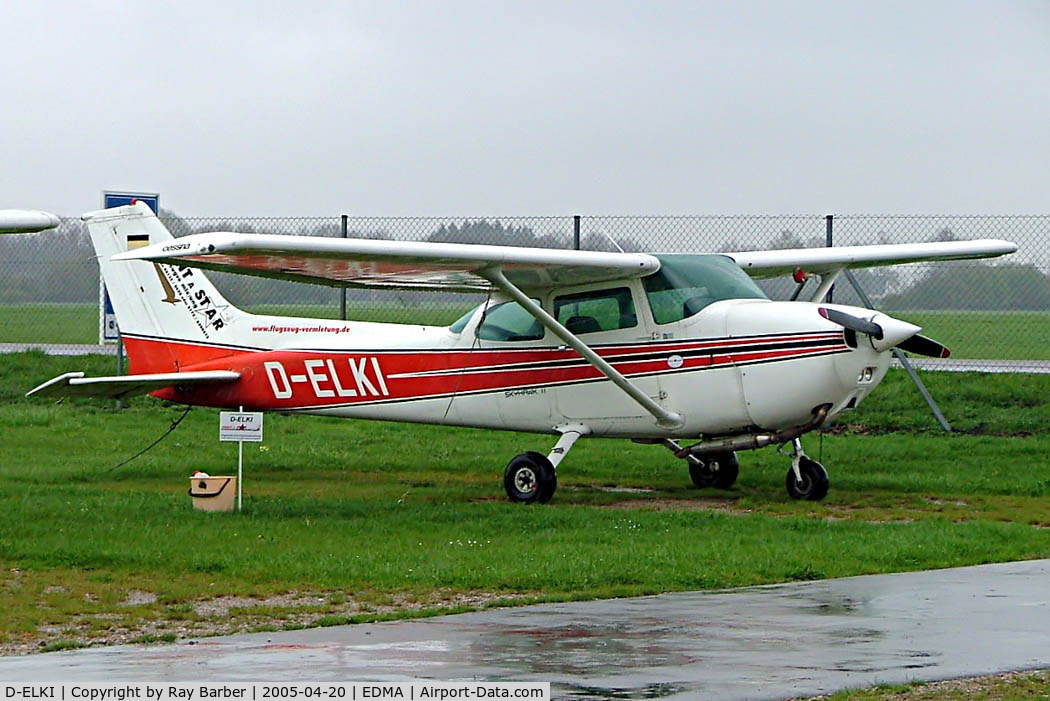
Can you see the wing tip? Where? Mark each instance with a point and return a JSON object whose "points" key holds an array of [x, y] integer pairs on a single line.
{"points": [[42, 388]]}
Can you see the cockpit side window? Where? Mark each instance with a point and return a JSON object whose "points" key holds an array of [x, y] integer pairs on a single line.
{"points": [[596, 310], [509, 322], [686, 284]]}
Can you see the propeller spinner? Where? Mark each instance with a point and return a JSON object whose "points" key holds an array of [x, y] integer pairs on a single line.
{"points": [[888, 333]]}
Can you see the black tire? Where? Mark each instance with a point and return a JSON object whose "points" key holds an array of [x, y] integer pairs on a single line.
{"points": [[814, 484], [530, 478], [719, 471]]}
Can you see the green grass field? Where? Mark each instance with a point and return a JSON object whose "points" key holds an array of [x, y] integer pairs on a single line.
{"points": [[994, 335], [348, 520]]}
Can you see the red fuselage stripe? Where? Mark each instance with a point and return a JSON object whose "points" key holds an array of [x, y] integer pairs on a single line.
{"points": [[297, 379]]}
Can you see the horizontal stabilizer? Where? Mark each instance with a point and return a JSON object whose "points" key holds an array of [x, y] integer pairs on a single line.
{"points": [[74, 384]]}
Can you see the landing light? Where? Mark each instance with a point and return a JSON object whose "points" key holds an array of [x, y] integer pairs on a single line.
{"points": [[866, 374]]}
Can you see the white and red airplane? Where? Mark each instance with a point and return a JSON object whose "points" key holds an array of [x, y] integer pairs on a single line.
{"points": [[655, 348]]}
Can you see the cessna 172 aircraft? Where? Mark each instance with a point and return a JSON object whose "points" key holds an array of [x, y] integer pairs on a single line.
{"points": [[655, 348]]}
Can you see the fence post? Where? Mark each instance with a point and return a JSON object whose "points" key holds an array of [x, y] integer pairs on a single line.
{"points": [[342, 290], [576, 231], [903, 359], [120, 362], [828, 229]]}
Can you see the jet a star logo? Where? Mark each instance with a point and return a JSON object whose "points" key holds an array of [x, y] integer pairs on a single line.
{"points": [[184, 285], [169, 291]]}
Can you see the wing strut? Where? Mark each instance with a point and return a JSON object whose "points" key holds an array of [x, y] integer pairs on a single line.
{"points": [[665, 418], [826, 281]]}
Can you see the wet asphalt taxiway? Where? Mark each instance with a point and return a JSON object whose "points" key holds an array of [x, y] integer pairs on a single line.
{"points": [[760, 642]]}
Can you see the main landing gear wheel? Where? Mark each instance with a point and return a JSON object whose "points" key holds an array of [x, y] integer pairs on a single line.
{"points": [[530, 478], [813, 484], [719, 471]]}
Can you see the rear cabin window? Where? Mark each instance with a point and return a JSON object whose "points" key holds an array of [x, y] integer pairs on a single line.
{"points": [[685, 284], [509, 322], [596, 310]]}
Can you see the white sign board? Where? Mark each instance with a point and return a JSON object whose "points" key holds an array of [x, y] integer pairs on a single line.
{"points": [[107, 322], [241, 426]]}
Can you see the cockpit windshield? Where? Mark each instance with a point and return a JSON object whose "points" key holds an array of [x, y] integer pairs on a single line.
{"points": [[461, 323], [683, 286], [687, 283]]}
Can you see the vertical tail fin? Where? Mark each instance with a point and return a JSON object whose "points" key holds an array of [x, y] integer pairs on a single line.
{"points": [[168, 316]]}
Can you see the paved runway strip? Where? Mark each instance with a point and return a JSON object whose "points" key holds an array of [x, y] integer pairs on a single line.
{"points": [[762, 642]]}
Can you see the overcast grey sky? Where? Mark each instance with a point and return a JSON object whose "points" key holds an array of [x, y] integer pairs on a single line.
{"points": [[452, 107]]}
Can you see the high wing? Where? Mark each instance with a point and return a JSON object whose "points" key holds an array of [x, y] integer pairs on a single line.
{"points": [[396, 264], [824, 261], [74, 384], [451, 266]]}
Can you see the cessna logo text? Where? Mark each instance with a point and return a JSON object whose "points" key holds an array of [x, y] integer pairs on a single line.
{"points": [[329, 377]]}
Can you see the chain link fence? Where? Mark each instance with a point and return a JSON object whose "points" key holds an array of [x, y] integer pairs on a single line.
{"points": [[983, 310]]}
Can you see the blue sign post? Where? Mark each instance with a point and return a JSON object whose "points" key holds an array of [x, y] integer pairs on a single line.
{"points": [[108, 330], [107, 322]]}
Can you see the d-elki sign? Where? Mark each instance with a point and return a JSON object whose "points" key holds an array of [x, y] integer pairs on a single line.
{"points": [[241, 426]]}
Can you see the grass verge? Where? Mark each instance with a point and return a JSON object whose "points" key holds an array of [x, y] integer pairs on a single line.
{"points": [[998, 687]]}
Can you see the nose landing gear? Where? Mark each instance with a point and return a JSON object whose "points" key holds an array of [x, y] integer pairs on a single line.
{"points": [[719, 470], [807, 478]]}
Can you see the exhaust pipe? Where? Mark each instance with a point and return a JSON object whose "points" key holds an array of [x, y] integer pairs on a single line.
{"points": [[754, 441]]}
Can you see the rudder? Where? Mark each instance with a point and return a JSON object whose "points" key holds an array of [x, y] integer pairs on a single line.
{"points": [[168, 316]]}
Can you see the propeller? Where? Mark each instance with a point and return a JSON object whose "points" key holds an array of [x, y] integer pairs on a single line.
{"points": [[851, 322], [924, 345], [889, 333]]}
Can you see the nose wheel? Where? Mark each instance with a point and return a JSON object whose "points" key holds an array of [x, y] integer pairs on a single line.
{"points": [[718, 470], [807, 478]]}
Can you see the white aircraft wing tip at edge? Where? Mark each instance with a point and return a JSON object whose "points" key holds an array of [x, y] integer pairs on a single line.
{"points": [[26, 221]]}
